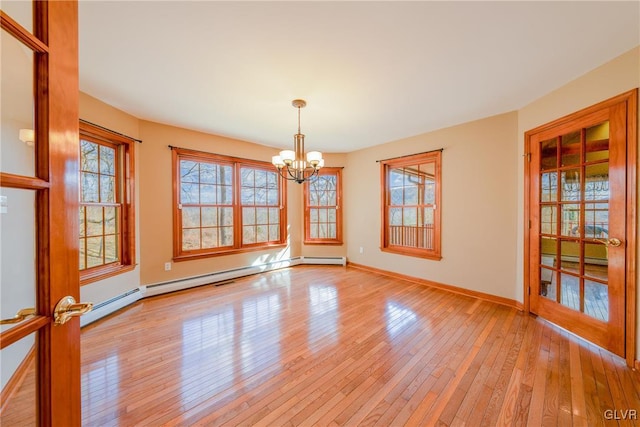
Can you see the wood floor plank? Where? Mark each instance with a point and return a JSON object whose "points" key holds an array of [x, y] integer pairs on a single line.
{"points": [[327, 346], [578, 401]]}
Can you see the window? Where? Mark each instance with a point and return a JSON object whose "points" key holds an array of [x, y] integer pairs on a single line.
{"points": [[322, 208], [411, 207], [225, 205], [106, 222]]}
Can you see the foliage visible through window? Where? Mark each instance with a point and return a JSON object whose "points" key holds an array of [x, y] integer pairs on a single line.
{"points": [[206, 194], [225, 204], [98, 208], [260, 205], [103, 216], [411, 205], [323, 217]]}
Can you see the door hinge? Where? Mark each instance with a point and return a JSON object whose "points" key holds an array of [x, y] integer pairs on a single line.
{"points": [[528, 157], [529, 223], [529, 290]]}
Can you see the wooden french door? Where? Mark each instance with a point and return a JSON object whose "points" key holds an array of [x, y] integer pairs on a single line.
{"points": [[581, 242], [39, 187]]}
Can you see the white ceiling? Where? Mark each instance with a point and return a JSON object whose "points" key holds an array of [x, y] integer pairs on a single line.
{"points": [[371, 72]]}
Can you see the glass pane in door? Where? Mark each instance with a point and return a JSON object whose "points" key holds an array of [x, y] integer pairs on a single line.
{"points": [[18, 291], [570, 220], [549, 219], [549, 187], [548, 262], [574, 220], [17, 107], [570, 185], [19, 383], [596, 292], [596, 185], [570, 149], [570, 291], [596, 298], [18, 256], [597, 142], [596, 220], [549, 154]]}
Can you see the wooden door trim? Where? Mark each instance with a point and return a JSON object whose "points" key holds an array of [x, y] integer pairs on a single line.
{"points": [[630, 98], [23, 182], [22, 34], [57, 148], [632, 219], [25, 328]]}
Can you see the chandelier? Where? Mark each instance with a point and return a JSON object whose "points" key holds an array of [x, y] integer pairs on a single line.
{"points": [[291, 164]]}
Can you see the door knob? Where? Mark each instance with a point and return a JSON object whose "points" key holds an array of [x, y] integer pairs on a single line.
{"points": [[614, 242], [68, 308], [610, 242], [20, 316]]}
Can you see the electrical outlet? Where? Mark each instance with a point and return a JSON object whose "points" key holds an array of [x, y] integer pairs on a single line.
{"points": [[167, 266], [361, 250]]}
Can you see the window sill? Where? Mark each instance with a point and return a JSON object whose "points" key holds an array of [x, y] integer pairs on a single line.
{"points": [[101, 273], [414, 253], [323, 242], [200, 255]]}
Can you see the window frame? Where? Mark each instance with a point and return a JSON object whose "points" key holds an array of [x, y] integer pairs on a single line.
{"points": [[308, 240], [236, 163], [125, 197], [385, 197]]}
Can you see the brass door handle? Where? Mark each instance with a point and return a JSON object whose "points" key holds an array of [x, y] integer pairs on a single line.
{"points": [[614, 242], [610, 242], [20, 316], [68, 308]]}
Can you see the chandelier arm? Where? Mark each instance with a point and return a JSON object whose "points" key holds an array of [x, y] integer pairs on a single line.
{"points": [[292, 177], [284, 176], [314, 173]]}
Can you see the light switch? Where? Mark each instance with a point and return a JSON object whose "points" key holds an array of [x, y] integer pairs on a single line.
{"points": [[3, 204]]}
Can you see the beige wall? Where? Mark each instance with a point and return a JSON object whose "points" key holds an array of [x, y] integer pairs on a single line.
{"points": [[613, 78], [479, 208], [156, 204]]}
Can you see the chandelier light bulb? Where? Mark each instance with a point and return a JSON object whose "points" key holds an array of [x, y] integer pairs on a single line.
{"points": [[277, 162], [288, 156]]}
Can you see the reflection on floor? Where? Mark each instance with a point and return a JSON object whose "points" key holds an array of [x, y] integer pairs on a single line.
{"points": [[596, 295], [340, 346]]}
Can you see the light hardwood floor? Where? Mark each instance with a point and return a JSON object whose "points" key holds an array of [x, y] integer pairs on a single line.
{"points": [[340, 346]]}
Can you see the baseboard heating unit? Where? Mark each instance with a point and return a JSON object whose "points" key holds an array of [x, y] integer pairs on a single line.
{"points": [[107, 307]]}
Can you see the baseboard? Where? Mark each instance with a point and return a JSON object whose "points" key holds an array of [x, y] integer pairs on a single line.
{"points": [[637, 365], [16, 379], [218, 276], [467, 292], [110, 306]]}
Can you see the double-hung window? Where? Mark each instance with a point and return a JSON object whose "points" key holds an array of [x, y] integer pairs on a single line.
{"points": [[322, 208], [106, 216], [411, 189], [225, 205]]}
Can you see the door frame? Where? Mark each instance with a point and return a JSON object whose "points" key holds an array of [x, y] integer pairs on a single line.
{"points": [[631, 100], [54, 41]]}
